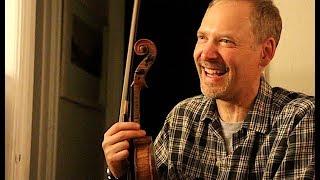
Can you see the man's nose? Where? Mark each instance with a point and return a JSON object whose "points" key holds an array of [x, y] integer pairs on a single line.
{"points": [[210, 51]]}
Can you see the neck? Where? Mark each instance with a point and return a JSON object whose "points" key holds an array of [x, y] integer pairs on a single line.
{"points": [[236, 109]]}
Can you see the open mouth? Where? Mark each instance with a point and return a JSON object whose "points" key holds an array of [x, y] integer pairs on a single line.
{"points": [[214, 72]]}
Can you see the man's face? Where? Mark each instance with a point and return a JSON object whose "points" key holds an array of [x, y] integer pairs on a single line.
{"points": [[226, 54]]}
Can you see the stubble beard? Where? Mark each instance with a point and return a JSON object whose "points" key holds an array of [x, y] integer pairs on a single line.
{"points": [[217, 92]]}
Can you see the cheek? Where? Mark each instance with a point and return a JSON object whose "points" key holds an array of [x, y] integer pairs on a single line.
{"points": [[196, 53], [252, 62], [248, 67]]}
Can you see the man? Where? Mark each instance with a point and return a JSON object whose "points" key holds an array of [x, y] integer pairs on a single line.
{"points": [[240, 127]]}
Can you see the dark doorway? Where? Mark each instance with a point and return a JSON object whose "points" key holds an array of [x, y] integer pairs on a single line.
{"points": [[172, 26]]}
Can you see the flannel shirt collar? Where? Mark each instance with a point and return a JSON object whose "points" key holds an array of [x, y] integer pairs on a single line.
{"points": [[258, 116]]}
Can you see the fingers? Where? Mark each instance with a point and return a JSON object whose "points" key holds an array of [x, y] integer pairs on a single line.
{"points": [[124, 135], [120, 126], [119, 156], [116, 145], [117, 152], [123, 131], [120, 146]]}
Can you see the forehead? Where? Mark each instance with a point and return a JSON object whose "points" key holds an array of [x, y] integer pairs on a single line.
{"points": [[228, 15]]}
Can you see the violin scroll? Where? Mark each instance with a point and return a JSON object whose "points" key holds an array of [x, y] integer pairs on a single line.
{"points": [[148, 48], [145, 46]]}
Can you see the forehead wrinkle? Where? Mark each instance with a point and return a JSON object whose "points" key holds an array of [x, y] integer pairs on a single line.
{"points": [[232, 34], [242, 14], [210, 21], [232, 31]]}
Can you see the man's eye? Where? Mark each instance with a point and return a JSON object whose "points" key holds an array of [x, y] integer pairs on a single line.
{"points": [[226, 41], [201, 37]]}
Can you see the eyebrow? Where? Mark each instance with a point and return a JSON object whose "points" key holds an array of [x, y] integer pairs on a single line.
{"points": [[200, 32], [229, 34]]}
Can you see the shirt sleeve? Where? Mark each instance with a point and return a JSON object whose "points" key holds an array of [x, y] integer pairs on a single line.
{"points": [[299, 160]]}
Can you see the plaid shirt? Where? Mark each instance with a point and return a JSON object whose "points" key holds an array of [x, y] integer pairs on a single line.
{"points": [[276, 140]]}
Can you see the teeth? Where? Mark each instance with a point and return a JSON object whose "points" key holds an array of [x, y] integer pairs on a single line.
{"points": [[213, 71]]}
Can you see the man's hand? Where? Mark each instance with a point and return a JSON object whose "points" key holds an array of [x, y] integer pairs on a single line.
{"points": [[116, 145]]}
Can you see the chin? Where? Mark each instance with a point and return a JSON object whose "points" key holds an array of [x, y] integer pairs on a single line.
{"points": [[213, 92]]}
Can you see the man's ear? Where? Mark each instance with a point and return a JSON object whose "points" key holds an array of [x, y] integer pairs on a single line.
{"points": [[267, 53]]}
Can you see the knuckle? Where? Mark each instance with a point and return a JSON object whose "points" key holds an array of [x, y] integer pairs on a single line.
{"points": [[106, 151], [107, 141], [117, 125], [103, 144], [108, 157], [105, 134], [122, 135]]}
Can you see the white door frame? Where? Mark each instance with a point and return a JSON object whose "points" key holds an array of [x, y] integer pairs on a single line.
{"points": [[19, 76]]}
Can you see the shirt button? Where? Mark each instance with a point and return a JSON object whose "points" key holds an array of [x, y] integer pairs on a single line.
{"points": [[218, 163]]}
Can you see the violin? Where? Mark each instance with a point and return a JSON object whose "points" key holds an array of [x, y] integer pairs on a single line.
{"points": [[141, 159]]}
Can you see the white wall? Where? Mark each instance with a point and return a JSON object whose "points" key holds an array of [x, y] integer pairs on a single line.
{"points": [[293, 66]]}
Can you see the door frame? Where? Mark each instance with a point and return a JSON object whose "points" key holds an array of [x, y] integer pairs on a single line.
{"points": [[48, 54], [19, 77], [46, 96]]}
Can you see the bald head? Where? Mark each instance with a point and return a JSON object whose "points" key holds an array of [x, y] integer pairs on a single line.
{"points": [[265, 19]]}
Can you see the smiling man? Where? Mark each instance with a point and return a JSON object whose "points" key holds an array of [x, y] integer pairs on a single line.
{"points": [[239, 127]]}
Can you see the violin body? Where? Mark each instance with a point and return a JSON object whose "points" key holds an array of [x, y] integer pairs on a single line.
{"points": [[144, 164]]}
